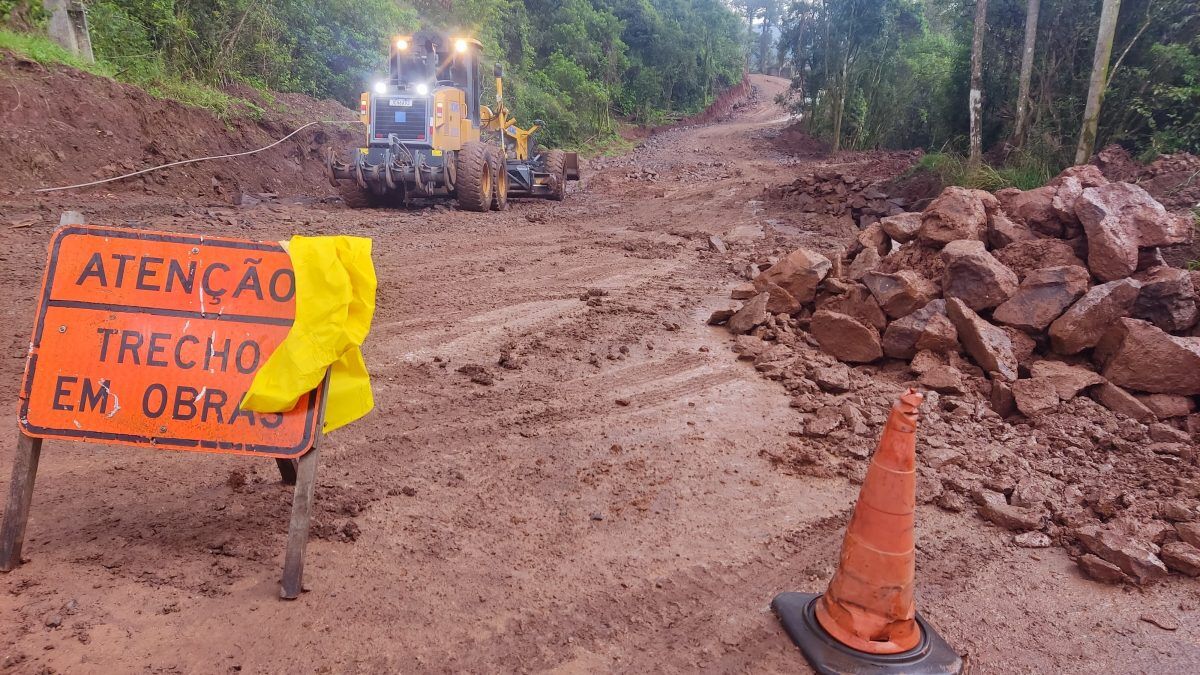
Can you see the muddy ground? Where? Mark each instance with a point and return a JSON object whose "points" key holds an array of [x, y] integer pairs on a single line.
{"points": [[607, 504]]}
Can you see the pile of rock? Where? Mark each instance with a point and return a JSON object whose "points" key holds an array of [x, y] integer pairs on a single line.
{"points": [[836, 193], [1051, 292], [1027, 299]]}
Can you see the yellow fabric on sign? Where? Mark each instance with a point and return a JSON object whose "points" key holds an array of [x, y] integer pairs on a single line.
{"points": [[335, 301]]}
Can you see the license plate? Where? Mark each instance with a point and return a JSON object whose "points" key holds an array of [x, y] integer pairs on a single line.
{"points": [[400, 103]]}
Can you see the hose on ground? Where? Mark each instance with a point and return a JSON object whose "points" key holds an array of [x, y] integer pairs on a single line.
{"points": [[193, 161]]}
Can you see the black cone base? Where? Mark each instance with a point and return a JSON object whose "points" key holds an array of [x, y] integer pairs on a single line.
{"points": [[827, 656]]}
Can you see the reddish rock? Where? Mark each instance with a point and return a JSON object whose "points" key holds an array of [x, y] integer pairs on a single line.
{"points": [[1068, 380], [1167, 299], [1023, 257], [752, 315], [857, 302], [1140, 356], [1042, 297], [1122, 402], [873, 237], [996, 509], [901, 293], [988, 345], [1101, 570], [1136, 558], [1035, 208], [1070, 189], [743, 292], [958, 213], [1087, 174], [974, 276], [779, 301], [1003, 231], [1118, 219], [866, 260], [1167, 406], [943, 379], [792, 282], [1182, 557], [1165, 433], [928, 328], [1189, 532], [845, 337], [903, 227], [1082, 326], [1035, 396], [1002, 399]]}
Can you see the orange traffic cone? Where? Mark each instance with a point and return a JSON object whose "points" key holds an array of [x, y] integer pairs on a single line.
{"points": [[867, 622]]}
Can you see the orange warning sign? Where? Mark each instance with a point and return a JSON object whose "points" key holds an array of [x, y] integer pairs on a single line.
{"points": [[152, 339]]}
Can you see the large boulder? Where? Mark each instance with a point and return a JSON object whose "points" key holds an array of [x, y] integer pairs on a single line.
{"points": [[856, 301], [902, 227], [1088, 175], [1167, 299], [900, 293], [1042, 297], [792, 282], [1023, 257], [845, 337], [1034, 207], [974, 276], [1118, 219], [1003, 231], [990, 346], [866, 260], [1167, 406], [928, 328], [1139, 355], [1082, 326], [958, 213]]}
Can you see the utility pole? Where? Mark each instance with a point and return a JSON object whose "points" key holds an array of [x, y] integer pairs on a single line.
{"points": [[69, 27], [1099, 81]]}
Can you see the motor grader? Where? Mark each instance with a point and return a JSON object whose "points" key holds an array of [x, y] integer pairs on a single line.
{"points": [[428, 135]]}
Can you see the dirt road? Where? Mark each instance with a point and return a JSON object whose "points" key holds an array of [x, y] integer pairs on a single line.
{"points": [[602, 506]]}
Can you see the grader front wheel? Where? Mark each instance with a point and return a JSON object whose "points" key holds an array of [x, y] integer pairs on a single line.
{"points": [[500, 167], [475, 185], [556, 166]]}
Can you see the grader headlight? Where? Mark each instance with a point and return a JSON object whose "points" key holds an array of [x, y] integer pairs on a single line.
{"points": [[401, 43]]}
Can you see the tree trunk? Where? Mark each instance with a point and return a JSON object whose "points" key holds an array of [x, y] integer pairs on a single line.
{"points": [[839, 104], [1099, 80], [976, 99], [1031, 22]]}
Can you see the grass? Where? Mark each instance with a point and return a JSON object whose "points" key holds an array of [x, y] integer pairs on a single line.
{"points": [[43, 50], [1025, 172]]}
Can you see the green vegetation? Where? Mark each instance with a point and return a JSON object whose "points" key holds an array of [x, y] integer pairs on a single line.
{"points": [[896, 73], [1025, 172], [576, 64]]}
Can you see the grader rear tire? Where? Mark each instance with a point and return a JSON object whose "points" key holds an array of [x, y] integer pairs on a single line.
{"points": [[500, 170], [556, 166], [476, 177]]}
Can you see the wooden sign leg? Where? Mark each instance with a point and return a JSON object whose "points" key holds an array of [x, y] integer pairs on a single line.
{"points": [[287, 470], [20, 496], [293, 562]]}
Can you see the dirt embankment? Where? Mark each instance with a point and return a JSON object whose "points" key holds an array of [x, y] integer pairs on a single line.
{"points": [[104, 128]]}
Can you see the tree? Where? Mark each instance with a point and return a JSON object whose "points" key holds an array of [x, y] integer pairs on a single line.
{"points": [[1022, 117], [976, 97], [1098, 82]]}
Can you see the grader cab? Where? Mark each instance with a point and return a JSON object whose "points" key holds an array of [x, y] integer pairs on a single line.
{"points": [[429, 135]]}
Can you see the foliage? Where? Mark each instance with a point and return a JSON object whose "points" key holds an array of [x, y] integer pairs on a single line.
{"points": [[576, 64], [895, 73], [1025, 173]]}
